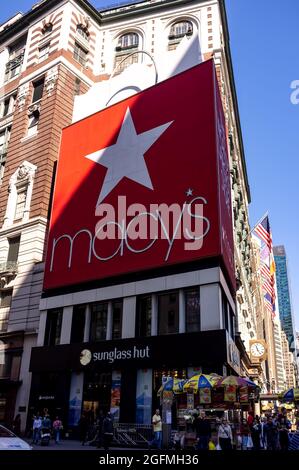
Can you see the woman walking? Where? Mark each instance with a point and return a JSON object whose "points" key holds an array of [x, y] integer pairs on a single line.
{"points": [[225, 435]]}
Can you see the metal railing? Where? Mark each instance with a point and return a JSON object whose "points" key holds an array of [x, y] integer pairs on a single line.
{"points": [[137, 435]]}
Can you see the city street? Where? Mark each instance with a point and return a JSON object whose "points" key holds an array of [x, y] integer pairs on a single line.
{"points": [[71, 445]]}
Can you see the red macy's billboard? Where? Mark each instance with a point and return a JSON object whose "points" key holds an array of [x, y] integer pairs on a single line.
{"points": [[143, 184]]}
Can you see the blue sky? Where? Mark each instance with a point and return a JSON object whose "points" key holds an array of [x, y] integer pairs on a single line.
{"points": [[264, 42]]}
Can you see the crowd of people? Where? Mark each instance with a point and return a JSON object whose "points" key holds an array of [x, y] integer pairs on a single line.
{"points": [[97, 432], [269, 432], [42, 425]]}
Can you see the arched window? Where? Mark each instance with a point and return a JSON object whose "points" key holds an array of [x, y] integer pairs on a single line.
{"points": [[128, 41], [47, 29], [20, 193], [177, 31], [180, 29], [83, 32], [127, 44]]}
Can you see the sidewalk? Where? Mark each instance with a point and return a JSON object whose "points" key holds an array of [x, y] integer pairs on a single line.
{"points": [[67, 444]]}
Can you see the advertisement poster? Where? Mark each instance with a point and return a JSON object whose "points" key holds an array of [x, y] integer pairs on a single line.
{"points": [[190, 401], [144, 396], [205, 396], [230, 393], [115, 394], [243, 395], [75, 400]]}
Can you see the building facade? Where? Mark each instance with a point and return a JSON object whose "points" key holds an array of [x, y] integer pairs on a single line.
{"points": [[288, 360], [57, 51], [284, 296]]}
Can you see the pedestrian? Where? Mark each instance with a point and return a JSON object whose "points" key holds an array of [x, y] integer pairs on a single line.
{"points": [[202, 428], [16, 426], [37, 425], [256, 434], [283, 432], [57, 428], [244, 433], [83, 426], [250, 419], [107, 430], [271, 434], [263, 433], [157, 429], [225, 435]]}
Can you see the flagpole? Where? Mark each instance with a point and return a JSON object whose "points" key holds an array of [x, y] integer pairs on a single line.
{"points": [[259, 221]]}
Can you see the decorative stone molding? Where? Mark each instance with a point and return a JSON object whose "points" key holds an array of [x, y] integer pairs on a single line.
{"points": [[34, 109], [22, 95], [22, 178], [51, 79]]}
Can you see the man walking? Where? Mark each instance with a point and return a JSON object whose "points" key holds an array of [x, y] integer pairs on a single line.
{"points": [[37, 425], [203, 431], [157, 428]]}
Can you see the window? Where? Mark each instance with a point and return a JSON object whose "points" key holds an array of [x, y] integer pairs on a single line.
{"points": [[99, 316], [168, 313], [144, 316], [15, 60], [4, 141], [6, 107], [78, 324], [43, 52], [33, 121], [80, 54], [13, 250], [177, 32], [122, 61], [5, 299], [83, 32], [232, 319], [192, 306], [53, 327], [47, 29], [127, 44], [38, 88], [21, 203], [225, 313], [117, 310], [128, 41], [180, 29]]}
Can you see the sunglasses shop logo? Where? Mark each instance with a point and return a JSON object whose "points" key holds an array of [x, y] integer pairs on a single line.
{"points": [[86, 356]]}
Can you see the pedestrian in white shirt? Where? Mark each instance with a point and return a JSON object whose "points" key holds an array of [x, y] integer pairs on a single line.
{"points": [[37, 424], [225, 435]]}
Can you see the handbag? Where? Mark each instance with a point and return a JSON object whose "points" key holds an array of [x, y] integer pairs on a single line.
{"points": [[218, 447]]}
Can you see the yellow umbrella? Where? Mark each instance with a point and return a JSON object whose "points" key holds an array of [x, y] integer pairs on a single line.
{"points": [[172, 384], [201, 381]]}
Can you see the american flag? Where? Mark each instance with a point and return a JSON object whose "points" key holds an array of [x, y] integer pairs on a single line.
{"points": [[268, 287], [263, 231], [270, 304], [265, 272]]}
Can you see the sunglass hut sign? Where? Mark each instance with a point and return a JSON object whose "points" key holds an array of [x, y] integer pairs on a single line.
{"points": [[86, 356]]}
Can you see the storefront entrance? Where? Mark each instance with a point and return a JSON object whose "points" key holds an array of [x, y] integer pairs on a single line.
{"points": [[96, 393]]}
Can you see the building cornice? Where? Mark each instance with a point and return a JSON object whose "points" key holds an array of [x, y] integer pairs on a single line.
{"points": [[120, 13], [233, 90], [17, 228]]}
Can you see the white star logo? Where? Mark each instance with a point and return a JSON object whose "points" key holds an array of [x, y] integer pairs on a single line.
{"points": [[189, 192], [126, 157]]}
